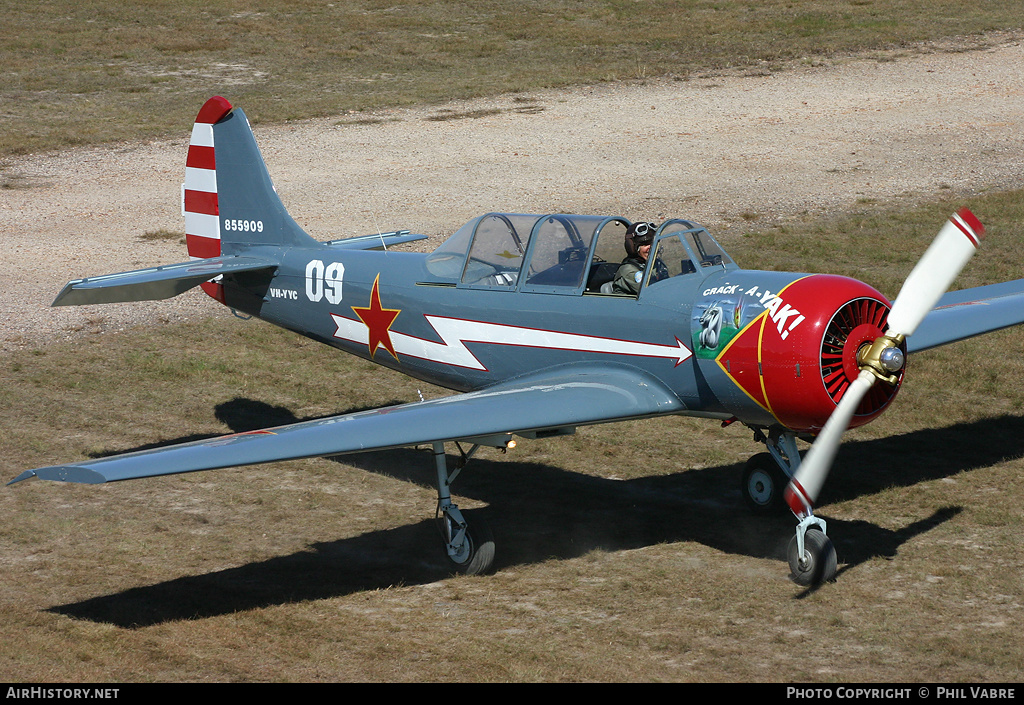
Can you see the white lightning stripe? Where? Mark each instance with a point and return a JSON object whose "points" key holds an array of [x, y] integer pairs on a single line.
{"points": [[455, 332]]}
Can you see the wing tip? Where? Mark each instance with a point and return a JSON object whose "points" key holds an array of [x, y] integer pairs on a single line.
{"points": [[62, 473], [27, 475]]}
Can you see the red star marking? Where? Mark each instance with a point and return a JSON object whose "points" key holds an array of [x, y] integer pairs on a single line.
{"points": [[378, 322]]}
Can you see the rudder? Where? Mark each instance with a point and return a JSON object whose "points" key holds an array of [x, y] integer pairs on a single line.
{"points": [[229, 200]]}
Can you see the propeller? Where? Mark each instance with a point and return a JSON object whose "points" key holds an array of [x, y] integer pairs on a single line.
{"points": [[927, 282]]}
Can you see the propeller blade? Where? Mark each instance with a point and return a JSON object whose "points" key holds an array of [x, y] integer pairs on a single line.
{"points": [[927, 282], [803, 489], [935, 271]]}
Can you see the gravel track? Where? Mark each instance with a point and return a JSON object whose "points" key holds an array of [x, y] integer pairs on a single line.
{"points": [[717, 149]]}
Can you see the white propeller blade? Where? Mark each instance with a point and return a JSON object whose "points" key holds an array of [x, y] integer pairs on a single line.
{"points": [[810, 476], [928, 281], [935, 271]]}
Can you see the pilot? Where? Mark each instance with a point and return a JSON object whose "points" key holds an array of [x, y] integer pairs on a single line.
{"points": [[639, 237]]}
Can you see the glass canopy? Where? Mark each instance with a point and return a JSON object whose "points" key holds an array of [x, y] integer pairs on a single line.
{"points": [[561, 253]]}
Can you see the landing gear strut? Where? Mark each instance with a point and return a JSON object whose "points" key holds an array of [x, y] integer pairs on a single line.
{"points": [[469, 551]]}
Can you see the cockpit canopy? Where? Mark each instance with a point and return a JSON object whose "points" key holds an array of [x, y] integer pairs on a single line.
{"points": [[562, 253]]}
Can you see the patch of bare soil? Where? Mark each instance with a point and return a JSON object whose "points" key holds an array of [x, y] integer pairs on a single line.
{"points": [[722, 150]]}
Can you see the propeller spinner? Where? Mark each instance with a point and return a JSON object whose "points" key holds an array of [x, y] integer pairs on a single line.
{"points": [[879, 363]]}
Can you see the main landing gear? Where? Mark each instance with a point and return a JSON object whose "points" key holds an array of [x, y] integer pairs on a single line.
{"points": [[811, 554], [763, 483], [767, 474], [469, 550]]}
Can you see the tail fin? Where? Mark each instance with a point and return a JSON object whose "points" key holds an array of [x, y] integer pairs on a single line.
{"points": [[230, 204]]}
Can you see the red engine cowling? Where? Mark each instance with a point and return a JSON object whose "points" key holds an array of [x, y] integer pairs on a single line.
{"points": [[798, 357]]}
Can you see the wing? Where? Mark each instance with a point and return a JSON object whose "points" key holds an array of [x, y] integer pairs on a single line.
{"points": [[556, 399], [156, 282], [969, 312]]}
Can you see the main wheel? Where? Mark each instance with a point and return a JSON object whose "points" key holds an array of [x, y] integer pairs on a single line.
{"points": [[476, 556], [819, 559], [763, 484]]}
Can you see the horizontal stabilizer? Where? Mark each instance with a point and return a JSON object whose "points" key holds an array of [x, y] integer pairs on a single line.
{"points": [[156, 282], [970, 312], [550, 400], [377, 241]]}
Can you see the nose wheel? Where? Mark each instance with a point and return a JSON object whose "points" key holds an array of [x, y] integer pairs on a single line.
{"points": [[812, 557]]}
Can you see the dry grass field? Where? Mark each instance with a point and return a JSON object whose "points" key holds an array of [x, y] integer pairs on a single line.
{"points": [[91, 71], [624, 552]]}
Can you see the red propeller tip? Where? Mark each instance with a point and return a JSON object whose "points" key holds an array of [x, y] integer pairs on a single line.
{"points": [[977, 230], [797, 499]]}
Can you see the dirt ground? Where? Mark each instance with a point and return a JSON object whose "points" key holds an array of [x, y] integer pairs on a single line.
{"points": [[721, 150]]}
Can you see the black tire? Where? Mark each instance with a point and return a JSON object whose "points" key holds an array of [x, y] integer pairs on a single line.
{"points": [[763, 485], [478, 556], [820, 554]]}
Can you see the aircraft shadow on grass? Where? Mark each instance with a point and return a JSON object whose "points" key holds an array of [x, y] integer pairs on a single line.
{"points": [[539, 512]]}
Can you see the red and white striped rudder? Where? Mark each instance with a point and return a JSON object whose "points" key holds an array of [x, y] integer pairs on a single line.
{"points": [[202, 214]]}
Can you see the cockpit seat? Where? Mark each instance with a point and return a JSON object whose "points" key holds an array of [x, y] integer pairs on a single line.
{"points": [[601, 273]]}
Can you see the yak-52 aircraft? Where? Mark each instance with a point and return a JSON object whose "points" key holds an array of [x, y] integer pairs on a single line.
{"points": [[510, 311]]}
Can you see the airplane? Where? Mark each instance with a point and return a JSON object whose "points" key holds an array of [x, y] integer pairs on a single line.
{"points": [[513, 312]]}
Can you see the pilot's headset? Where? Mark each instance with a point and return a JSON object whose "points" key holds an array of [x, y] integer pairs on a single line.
{"points": [[639, 234]]}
